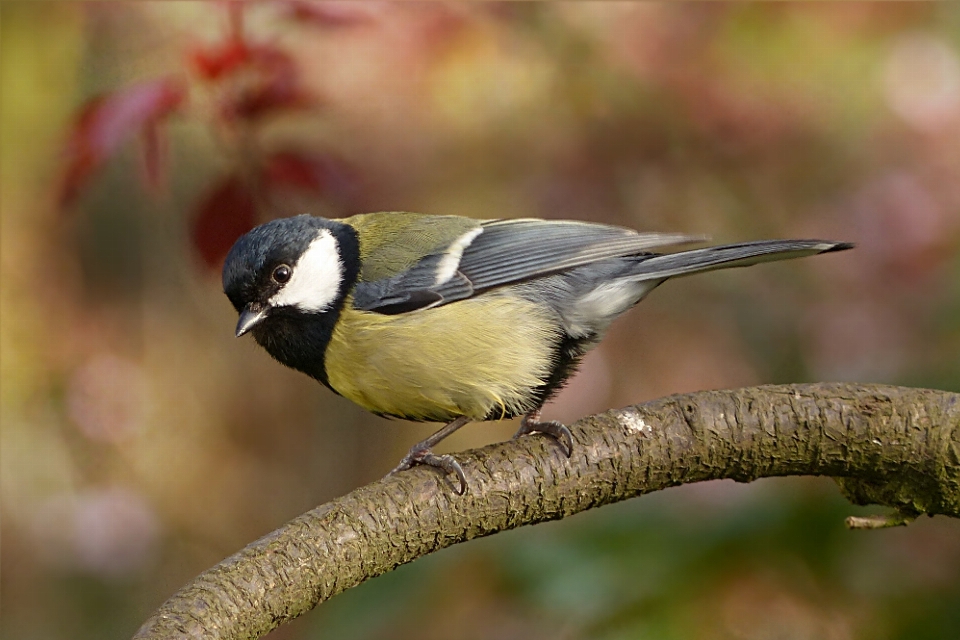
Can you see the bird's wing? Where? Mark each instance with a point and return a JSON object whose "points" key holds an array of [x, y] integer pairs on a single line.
{"points": [[513, 250], [501, 252]]}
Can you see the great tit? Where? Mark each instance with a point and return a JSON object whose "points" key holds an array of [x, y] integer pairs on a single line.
{"points": [[451, 319]]}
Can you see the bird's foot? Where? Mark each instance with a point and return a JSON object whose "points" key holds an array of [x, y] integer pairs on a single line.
{"points": [[425, 456], [421, 453], [531, 423]]}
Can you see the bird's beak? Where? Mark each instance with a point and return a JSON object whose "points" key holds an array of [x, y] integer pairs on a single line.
{"points": [[250, 317]]}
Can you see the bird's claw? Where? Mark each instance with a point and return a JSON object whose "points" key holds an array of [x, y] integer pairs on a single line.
{"points": [[426, 457], [556, 430]]}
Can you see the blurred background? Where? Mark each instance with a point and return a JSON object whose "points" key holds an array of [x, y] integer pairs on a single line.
{"points": [[142, 442]]}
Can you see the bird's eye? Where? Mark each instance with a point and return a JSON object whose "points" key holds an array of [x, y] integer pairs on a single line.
{"points": [[282, 274]]}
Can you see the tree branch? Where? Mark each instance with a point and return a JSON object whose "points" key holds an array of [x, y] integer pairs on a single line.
{"points": [[893, 446]]}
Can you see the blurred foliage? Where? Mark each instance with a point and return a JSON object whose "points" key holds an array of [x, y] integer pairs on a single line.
{"points": [[141, 443]]}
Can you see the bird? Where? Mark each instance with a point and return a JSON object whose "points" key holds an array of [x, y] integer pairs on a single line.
{"points": [[450, 319]]}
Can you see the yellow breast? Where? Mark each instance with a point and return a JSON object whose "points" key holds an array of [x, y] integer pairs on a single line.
{"points": [[473, 357]]}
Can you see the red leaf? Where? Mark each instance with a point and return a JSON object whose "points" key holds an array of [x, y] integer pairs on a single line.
{"points": [[327, 14], [262, 78], [319, 174], [219, 60], [106, 121], [224, 214], [288, 168], [274, 84]]}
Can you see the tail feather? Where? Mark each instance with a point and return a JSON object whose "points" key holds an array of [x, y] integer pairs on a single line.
{"points": [[731, 255]]}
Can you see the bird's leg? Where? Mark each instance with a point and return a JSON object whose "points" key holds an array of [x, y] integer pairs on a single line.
{"points": [[557, 430], [420, 453]]}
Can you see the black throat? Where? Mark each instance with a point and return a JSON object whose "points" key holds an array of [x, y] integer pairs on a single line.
{"points": [[299, 339]]}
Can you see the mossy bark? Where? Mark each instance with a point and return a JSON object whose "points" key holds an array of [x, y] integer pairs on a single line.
{"points": [[887, 445]]}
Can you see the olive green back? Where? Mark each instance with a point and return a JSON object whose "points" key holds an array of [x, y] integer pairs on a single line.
{"points": [[392, 242]]}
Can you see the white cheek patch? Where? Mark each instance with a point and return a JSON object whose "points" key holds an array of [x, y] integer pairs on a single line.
{"points": [[451, 259], [316, 278]]}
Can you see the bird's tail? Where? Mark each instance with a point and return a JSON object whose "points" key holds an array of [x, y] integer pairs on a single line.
{"points": [[730, 255]]}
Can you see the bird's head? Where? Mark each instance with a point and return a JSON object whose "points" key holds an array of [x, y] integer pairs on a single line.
{"points": [[289, 267]]}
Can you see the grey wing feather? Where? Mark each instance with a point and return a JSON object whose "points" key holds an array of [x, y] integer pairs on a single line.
{"points": [[413, 289], [513, 250], [508, 251]]}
